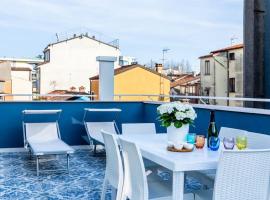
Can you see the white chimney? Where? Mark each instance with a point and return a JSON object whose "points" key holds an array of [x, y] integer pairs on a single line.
{"points": [[106, 77]]}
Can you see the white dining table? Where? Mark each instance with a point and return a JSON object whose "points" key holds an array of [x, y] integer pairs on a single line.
{"points": [[153, 147]]}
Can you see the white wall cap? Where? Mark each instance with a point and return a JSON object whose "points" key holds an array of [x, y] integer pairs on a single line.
{"points": [[106, 58]]}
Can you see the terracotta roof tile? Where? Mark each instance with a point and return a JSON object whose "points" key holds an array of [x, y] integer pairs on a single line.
{"points": [[184, 80], [238, 46]]}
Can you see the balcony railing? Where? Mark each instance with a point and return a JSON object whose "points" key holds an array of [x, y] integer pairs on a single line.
{"points": [[120, 97]]}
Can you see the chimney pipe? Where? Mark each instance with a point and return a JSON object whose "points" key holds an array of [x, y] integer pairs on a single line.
{"points": [[72, 89], [82, 89], [159, 68], [106, 77]]}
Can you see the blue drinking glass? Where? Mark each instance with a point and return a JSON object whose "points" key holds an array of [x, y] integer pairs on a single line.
{"points": [[191, 138], [214, 143]]}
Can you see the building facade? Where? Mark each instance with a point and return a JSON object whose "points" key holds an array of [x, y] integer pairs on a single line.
{"points": [[136, 80], [186, 85], [222, 75], [126, 60], [69, 63], [17, 77]]}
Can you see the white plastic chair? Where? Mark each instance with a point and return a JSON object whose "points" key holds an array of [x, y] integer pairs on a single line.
{"points": [[143, 128], [114, 167], [93, 130], [136, 185], [255, 141], [138, 128], [241, 175]]}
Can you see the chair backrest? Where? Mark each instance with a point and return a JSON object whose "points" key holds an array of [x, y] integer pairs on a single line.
{"points": [[135, 181], [258, 141], [138, 128], [255, 140], [41, 132], [243, 175], [93, 129], [114, 166]]}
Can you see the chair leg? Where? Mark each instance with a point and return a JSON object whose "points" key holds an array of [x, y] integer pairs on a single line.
{"points": [[104, 189], [37, 162], [30, 154], [114, 193], [68, 163], [95, 149]]}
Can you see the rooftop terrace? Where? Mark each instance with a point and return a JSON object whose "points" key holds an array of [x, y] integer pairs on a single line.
{"points": [[18, 178]]}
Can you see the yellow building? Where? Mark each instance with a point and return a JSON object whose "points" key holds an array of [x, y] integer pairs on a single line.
{"points": [[136, 80]]}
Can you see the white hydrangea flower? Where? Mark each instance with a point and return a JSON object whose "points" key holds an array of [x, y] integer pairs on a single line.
{"points": [[180, 115], [183, 111], [170, 108]]}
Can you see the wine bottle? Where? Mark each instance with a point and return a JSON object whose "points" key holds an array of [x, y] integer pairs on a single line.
{"points": [[212, 129]]}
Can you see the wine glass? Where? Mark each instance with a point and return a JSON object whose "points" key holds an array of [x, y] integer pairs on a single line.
{"points": [[200, 141], [214, 143], [228, 142], [241, 142]]}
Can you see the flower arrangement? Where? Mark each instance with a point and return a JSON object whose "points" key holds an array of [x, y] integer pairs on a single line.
{"points": [[176, 113]]}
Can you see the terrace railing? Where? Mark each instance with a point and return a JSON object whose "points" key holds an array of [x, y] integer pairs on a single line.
{"points": [[207, 100]]}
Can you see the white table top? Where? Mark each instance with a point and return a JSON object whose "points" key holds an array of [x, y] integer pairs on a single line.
{"points": [[153, 147]]}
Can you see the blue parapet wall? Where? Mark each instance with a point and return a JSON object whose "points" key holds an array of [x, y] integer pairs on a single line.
{"points": [[252, 122], [71, 125], [72, 128]]}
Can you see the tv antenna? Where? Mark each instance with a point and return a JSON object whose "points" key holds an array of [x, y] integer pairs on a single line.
{"points": [[57, 37], [164, 50]]}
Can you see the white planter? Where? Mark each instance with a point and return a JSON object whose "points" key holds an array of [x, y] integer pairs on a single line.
{"points": [[176, 135]]}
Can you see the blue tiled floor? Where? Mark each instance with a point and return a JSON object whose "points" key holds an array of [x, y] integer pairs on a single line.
{"points": [[18, 178]]}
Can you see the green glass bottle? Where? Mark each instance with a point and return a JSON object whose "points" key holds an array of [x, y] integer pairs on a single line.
{"points": [[212, 129]]}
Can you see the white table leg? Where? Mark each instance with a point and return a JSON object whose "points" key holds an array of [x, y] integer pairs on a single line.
{"points": [[178, 186]]}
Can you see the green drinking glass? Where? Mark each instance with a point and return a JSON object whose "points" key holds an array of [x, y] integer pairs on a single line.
{"points": [[241, 142]]}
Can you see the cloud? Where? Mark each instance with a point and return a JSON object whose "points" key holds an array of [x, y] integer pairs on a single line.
{"points": [[189, 27]]}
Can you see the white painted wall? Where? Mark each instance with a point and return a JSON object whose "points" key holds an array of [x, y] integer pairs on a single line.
{"points": [[207, 81], [217, 80], [21, 84], [72, 63]]}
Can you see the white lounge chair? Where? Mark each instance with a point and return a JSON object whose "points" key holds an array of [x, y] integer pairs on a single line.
{"points": [[44, 138], [137, 185], [93, 129], [240, 175]]}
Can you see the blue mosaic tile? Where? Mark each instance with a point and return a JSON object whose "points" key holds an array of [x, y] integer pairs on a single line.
{"points": [[18, 178]]}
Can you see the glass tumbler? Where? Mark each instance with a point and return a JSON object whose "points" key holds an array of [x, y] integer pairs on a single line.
{"points": [[214, 143], [191, 138], [241, 142], [228, 143], [200, 141]]}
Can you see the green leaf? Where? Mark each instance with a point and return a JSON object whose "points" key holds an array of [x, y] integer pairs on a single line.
{"points": [[178, 124]]}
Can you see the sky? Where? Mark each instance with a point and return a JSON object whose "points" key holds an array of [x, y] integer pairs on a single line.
{"points": [[189, 28]]}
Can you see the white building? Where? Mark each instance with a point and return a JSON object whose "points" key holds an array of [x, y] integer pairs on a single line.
{"points": [[69, 63], [16, 76], [126, 60], [222, 74]]}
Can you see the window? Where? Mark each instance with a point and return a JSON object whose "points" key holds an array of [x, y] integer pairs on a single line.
{"points": [[231, 56], [207, 91], [232, 84], [47, 56], [207, 67]]}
